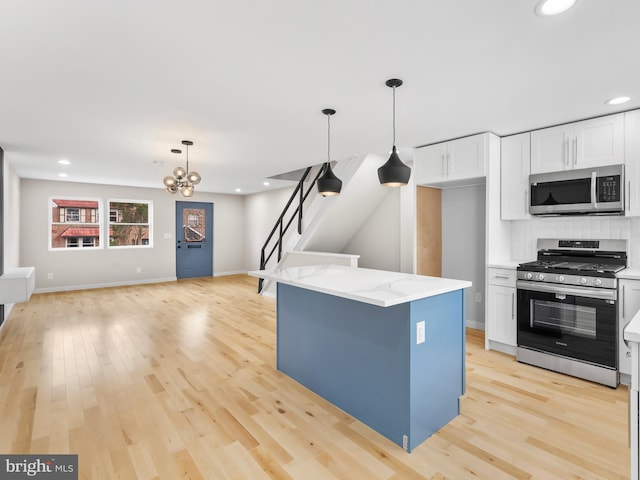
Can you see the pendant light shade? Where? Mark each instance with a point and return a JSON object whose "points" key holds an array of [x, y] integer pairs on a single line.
{"points": [[394, 173], [328, 183]]}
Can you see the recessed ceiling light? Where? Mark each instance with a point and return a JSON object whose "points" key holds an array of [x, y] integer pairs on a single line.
{"points": [[63, 175], [64, 161], [546, 8], [238, 190], [618, 100], [266, 184]]}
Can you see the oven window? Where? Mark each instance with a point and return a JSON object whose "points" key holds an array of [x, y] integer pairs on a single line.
{"points": [[578, 320]]}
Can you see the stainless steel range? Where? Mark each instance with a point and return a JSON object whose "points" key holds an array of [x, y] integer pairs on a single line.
{"points": [[567, 308]]}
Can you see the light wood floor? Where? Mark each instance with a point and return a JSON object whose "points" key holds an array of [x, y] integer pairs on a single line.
{"points": [[177, 380]]}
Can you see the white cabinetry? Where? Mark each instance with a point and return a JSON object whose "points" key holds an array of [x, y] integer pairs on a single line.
{"points": [[632, 162], [589, 143], [501, 309], [17, 285], [632, 335], [461, 159], [628, 306], [515, 157]]}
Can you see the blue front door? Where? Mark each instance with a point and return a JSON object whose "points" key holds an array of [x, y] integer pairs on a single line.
{"points": [[194, 239]]}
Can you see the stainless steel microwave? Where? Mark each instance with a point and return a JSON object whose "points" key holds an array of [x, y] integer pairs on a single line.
{"points": [[586, 191]]}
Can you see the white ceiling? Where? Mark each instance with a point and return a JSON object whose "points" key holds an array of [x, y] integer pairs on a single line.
{"points": [[114, 85]]}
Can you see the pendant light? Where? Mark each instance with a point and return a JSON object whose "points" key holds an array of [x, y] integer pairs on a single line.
{"points": [[182, 180], [328, 183], [394, 173]]}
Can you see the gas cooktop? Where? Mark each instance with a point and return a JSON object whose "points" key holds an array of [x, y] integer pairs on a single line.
{"points": [[573, 267]]}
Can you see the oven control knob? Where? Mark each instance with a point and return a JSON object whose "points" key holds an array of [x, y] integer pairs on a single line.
{"points": [[583, 280], [598, 282], [540, 276], [529, 276], [560, 278]]}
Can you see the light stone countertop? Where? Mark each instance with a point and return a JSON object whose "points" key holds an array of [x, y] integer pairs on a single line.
{"points": [[629, 273], [632, 331], [376, 287]]}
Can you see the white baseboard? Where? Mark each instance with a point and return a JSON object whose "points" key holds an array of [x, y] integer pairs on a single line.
{"points": [[501, 347], [67, 288], [474, 324], [232, 272]]}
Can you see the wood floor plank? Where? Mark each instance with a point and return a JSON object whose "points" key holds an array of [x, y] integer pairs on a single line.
{"points": [[179, 381]]}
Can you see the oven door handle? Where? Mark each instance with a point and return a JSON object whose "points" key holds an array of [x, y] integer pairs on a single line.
{"points": [[602, 294]]}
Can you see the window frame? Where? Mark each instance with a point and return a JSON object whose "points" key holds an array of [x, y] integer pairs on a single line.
{"points": [[148, 224]]}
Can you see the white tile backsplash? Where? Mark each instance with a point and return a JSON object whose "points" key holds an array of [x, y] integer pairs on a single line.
{"points": [[525, 233]]}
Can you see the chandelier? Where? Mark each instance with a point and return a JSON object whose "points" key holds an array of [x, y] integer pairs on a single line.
{"points": [[182, 180]]}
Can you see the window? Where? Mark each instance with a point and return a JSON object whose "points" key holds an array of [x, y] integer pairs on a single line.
{"points": [[74, 223], [129, 223], [72, 214]]}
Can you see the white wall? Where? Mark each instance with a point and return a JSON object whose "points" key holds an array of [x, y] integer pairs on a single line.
{"points": [[261, 211], [103, 267], [377, 241], [524, 233], [463, 244], [11, 216]]}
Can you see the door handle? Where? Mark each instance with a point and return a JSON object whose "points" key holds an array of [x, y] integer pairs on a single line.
{"points": [[566, 152], [513, 303], [575, 151]]}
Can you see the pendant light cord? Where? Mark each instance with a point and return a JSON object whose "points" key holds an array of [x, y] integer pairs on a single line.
{"points": [[394, 116], [328, 139], [187, 159]]}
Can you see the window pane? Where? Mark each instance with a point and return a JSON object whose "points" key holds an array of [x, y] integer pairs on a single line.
{"points": [[74, 223], [194, 224], [128, 235], [125, 212], [129, 224]]}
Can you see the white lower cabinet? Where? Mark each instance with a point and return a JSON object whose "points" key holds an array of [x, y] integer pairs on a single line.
{"points": [[501, 324], [628, 306]]}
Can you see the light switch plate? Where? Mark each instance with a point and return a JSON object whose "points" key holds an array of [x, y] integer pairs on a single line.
{"points": [[420, 332]]}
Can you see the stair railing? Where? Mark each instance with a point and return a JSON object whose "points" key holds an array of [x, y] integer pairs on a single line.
{"points": [[299, 193]]}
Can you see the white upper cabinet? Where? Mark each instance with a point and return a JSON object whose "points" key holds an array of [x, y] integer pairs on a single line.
{"points": [[550, 149], [515, 159], [632, 162], [589, 143], [430, 162], [464, 158]]}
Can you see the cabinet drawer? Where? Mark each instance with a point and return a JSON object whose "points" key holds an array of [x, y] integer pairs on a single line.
{"points": [[502, 276]]}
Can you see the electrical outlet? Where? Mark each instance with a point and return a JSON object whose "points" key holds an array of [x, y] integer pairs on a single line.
{"points": [[138, 269], [478, 297], [49, 276], [420, 332]]}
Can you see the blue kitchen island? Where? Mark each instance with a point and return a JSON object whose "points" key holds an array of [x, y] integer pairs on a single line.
{"points": [[386, 347]]}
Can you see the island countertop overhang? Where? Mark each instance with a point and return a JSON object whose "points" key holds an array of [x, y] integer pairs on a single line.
{"points": [[376, 287]]}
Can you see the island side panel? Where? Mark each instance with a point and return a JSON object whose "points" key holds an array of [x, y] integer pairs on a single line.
{"points": [[353, 354], [438, 365]]}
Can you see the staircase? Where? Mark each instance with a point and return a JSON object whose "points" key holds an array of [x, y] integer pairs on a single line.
{"points": [[323, 225]]}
